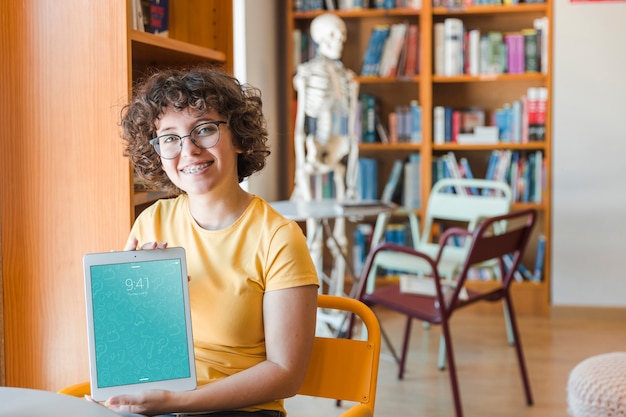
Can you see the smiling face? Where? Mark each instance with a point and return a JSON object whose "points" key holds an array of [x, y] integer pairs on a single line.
{"points": [[199, 171]]}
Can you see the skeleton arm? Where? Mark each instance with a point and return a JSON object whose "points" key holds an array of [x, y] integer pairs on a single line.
{"points": [[353, 156]]}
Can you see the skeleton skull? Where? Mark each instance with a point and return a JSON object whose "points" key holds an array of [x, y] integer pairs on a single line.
{"points": [[329, 33]]}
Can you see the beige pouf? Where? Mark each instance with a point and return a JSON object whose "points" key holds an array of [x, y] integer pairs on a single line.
{"points": [[597, 386]]}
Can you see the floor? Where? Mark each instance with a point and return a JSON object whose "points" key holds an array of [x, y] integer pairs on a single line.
{"points": [[487, 368]]}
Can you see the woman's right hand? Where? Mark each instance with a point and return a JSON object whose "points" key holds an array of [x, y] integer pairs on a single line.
{"points": [[133, 242]]}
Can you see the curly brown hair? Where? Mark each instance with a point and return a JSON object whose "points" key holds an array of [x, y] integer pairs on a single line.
{"points": [[204, 89]]}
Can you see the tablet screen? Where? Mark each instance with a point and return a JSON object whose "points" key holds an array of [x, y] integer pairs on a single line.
{"points": [[139, 322]]}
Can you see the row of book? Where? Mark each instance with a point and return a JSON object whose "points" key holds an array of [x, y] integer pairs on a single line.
{"points": [[150, 16], [404, 124], [522, 121], [462, 4], [403, 186], [459, 50], [316, 5], [524, 172], [392, 51]]}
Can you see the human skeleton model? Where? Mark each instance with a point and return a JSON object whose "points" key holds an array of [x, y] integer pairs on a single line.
{"points": [[325, 136]]}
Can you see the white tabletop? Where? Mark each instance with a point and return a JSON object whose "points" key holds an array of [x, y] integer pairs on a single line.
{"points": [[23, 402], [327, 209]]}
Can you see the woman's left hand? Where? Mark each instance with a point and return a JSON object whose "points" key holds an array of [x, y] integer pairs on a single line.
{"points": [[149, 403]]}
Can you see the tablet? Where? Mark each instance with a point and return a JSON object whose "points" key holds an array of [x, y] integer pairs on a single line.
{"points": [[138, 322]]}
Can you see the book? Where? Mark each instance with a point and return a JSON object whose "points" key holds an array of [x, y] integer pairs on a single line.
{"points": [[137, 19], [532, 101], [411, 196], [473, 51], [381, 132], [438, 125], [453, 46], [411, 63], [538, 178], [466, 172], [542, 105], [541, 26], [447, 123], [368, 118], [296, 35], [391, 51], [438, 51], [531, 62], [514, 52], [416, 122], [539, 259], [392, 183], [497, 56], [159, 17], [374, 50], [392, 118], [367, 185], [516, 121], [453, 169]]}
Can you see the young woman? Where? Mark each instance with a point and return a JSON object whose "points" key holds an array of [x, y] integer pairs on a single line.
{"points": [[253, 286]]}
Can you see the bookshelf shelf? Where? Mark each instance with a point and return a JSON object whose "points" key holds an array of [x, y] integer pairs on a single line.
{"points": [[489, 93], [488, 78], [361, 13], [148, 48], [489, 147], [386, 80], [492, 9], [377, 147]]}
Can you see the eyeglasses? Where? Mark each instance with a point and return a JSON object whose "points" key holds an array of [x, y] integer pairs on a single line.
{"points": [[205, 136]]}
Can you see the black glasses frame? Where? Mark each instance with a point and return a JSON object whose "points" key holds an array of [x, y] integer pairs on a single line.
{"points": [[155, 141]]}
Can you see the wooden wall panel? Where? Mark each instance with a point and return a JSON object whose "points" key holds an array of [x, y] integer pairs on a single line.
{"points": [[64, 185]]}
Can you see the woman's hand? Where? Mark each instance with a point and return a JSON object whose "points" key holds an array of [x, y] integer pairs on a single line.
{"points": [[149, 403], [133, 242]]}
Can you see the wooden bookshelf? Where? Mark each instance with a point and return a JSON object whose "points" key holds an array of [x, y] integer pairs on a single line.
{"points": [[488, 91], [66, 188]]}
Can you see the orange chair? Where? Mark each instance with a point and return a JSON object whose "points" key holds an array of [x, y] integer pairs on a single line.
{"points": [[506, 247], [340, 369]]}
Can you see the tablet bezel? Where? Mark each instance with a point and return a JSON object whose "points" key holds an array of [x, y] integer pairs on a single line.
{"points": [[107, 258]]}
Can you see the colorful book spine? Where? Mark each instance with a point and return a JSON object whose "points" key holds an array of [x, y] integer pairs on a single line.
{"points": [[159, 17], [515, 52], [539, 260], [411, 197], [368, 118], [531, 62], [416, 122], [368, 179], [374, 50], [438, 125], [453, 46], [392, 183], [411, 66]]}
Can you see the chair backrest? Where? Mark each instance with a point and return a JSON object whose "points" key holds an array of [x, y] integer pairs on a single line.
{"points": [[340, 369], [465, 200], [345, 369], [489, 243]]}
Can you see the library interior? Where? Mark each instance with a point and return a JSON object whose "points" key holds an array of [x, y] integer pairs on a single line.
{"points": [[454, 165]]}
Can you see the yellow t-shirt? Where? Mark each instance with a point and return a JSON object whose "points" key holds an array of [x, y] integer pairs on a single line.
{"points": [[230, 270]]}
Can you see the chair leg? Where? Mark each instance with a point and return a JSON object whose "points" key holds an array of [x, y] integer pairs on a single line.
{"points": [[405, 346], [454, 383], [518, 350], [441, 361], [507, 323]]}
